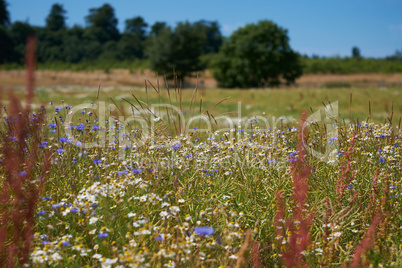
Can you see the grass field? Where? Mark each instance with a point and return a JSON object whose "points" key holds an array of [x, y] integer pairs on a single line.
{"points": [[99, 192], [378, 104]]}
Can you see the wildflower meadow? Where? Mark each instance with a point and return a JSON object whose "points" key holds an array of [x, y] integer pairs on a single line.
{"points": [[165, 185]]}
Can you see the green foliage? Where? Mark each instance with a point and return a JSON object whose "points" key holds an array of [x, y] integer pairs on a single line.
{"points": [[212, 33], [177, 50], [156, 28], [55, 21], [356, 52], [351, 65], [6, 46], [102, 24], [4, 15], [136, 27], [257, 55]]}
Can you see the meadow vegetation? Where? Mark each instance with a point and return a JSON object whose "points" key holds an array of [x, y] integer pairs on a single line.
{"points": [[86, 186]]}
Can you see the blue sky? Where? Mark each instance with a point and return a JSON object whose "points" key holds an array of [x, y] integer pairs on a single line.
{"points": [[322, 27]]}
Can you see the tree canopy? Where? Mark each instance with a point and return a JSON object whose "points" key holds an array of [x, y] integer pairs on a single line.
{"points": [[257, 55], [4, 15], [102, 24], [56, 20]]}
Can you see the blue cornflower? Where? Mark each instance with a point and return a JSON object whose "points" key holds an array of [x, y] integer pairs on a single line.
{"points": [[22, 173], [43, 144], [57, 205], [63, 140], [350, 186], [103, 235], [159, 238], [122, 172], [82, 111], [80, 127], [69, 107], [95, 127], [52, 130], [176, 146], [137, 170], [57, 110], [97, 161], [65, 244], [42, 212], [381, 159], [44, 242], [74, 210], [188, 155], [74, 160], [60, 150], [52, 125], [47, 198], [204, 230]]}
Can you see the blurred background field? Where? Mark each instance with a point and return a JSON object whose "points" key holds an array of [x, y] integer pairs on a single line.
{"points": [[355, 103]]}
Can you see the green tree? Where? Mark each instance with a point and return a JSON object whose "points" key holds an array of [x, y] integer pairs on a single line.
{"points": [[356, 52], [6, 46], [137, 27], [102, 24], [131, 44], [56, 20], [177, 52], [212, 33], [156, 28], [19, 32], [4, 15], [257, 55]]}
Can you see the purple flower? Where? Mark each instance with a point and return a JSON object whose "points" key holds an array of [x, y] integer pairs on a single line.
{"points": [[350, 186], [63, 140], [159, 238], [22, 173], [57, 109], [47, 198], [80, 127], [44, 242], [382, 159], [43, 144], [103, 235], [57, 205], [95, 127], [60, 150], [97, 161], [74, 210], [176, 146], [42, 212], [204, 230], [66, 244], [52, 125], [69, 107], [137, 170]]}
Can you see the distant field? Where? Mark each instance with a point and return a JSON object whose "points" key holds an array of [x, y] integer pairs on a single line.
{"points": [[127, 78], [270, 103]]}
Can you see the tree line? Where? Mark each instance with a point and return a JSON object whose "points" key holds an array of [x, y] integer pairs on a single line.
{"points": [[256, 55]]}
